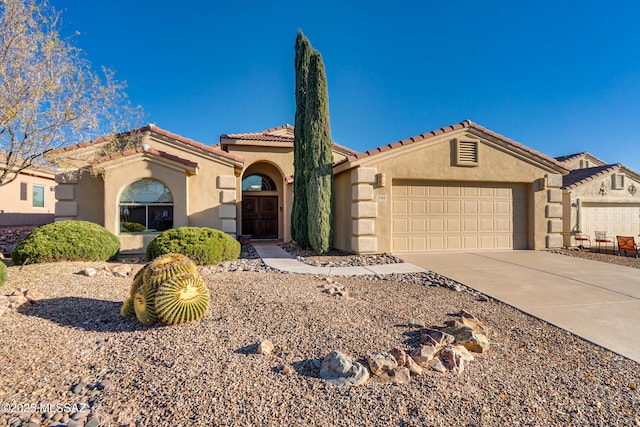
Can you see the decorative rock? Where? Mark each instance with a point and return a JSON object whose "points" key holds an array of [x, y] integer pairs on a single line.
{"points": [[80, 414], [400, 356], [477, 343], [380, 362], [452, 360], [93, 422], [436, 365], [413, 367], [266, 347], [122, 270], [341, 370], [16, 301], [89, 272], [476, 325], [33, 296], [400, 375], [423, 354], [464, 353], [415, 323], [77, 389], [103, 385], [436, 338], [74, 423]]}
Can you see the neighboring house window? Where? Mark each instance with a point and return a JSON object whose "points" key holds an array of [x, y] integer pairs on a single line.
{"points": [[23, 191], [38, 196], [618, 181], [467, 153], [258, 183], [146, 205]]}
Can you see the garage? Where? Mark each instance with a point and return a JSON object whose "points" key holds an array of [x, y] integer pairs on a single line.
{"points": [[435, 216], [616, 219]]}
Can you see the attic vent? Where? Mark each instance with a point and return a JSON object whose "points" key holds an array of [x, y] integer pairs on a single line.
{"points": [[467, 153], [617, 181]]}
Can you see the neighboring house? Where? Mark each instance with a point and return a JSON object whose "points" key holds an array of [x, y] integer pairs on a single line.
{"points": [[581, 161], [29, 199], [603, 198], [462, 187]]}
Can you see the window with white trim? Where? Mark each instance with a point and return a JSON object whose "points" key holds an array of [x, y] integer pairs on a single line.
{"points": [[37, 200], [146, 206]]}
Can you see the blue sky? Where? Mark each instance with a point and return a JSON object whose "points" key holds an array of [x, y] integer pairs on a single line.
{"points": [[560, 77]]}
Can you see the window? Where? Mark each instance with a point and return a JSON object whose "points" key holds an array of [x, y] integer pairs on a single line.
{"points": [[23, 191], [38, 196], [618, 181], [146, 205], [467, 153], [258, 183]]}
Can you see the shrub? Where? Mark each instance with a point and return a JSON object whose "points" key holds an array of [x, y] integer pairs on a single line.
{"points": [[67, 241], [3, 273], [131, 227], [205, 246]]}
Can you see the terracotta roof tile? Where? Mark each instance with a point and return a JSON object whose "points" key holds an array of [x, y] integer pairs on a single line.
{"points": [[155, 129], [570, 156], [153, 151], [446, 129]]}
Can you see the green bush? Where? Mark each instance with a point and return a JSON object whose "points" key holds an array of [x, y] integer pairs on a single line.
{"points": [[131, 227], [205, 246], [3, 273], [67, 241]]}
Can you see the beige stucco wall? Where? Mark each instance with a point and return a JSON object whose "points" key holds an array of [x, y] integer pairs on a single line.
{"points": [[590, 193], [434, 160], [23, 211], [342, 222]]}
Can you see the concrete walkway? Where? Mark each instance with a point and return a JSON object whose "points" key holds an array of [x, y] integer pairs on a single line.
{"points": [[597, 301], [275, 257]]}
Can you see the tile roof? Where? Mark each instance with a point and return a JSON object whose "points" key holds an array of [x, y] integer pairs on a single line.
{"points": [[570, 156], [148, 150], [462, 125], [275, 135], [580, 176], [155, 129], [265, 135]]}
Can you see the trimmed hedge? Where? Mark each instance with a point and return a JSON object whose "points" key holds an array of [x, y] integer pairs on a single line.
{"points": [[67, 241], [3, 273], [131, 227], [205, 246]]}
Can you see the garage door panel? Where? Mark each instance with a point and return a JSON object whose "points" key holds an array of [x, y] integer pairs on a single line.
{"points": [[616, 219], [458, 217]]}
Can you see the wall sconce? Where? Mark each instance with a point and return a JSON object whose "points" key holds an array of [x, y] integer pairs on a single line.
{"points": [[603, 190], [632, 189]]}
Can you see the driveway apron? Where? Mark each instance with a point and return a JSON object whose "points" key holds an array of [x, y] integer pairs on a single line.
{"points": [[597, 301]]}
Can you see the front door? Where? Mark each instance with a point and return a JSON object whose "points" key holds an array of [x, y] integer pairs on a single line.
{"points": [[260, 216]]}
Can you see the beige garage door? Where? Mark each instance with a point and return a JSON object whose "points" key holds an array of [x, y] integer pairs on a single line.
{"points": [[449, 217], [615, 218]]}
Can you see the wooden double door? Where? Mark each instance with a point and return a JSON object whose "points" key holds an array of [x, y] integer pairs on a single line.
{"points": [[260, 216]]}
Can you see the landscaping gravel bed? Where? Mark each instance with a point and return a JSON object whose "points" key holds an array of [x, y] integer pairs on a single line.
{"points": [[74, 349]]}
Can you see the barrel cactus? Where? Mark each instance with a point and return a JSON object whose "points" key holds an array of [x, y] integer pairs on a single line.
{"points": [[182, 299], [168, 289]]}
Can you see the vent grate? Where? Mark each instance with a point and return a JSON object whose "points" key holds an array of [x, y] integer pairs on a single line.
{"points": [[468, 152]]}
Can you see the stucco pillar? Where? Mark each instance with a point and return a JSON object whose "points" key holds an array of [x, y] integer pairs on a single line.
{"points": [[553, 211], [227, 207], [364, 211]]}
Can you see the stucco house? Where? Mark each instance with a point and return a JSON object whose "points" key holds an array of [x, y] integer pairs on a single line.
{"points": [[461, 187], [599, 197], [29, 199]]}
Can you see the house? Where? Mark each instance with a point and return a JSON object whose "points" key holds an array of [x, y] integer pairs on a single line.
{"points": [[462, 187], [29, 199], [599, 197]]}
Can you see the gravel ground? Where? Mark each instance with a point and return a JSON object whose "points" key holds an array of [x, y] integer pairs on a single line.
{"points": [[608, 257], [207, 373]]}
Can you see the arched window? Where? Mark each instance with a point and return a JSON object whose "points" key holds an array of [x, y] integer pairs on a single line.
{"points": [[146, 205], [258, 182]]}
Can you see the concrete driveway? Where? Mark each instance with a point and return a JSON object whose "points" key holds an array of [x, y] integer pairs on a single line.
{"points": [[597, 301]]}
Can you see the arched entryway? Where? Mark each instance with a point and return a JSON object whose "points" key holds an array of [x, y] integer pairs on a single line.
{"points": [[261, 201]]}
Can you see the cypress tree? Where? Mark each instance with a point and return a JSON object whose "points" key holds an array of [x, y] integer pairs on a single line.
{"points": [[299, 226], [317, 135]]}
